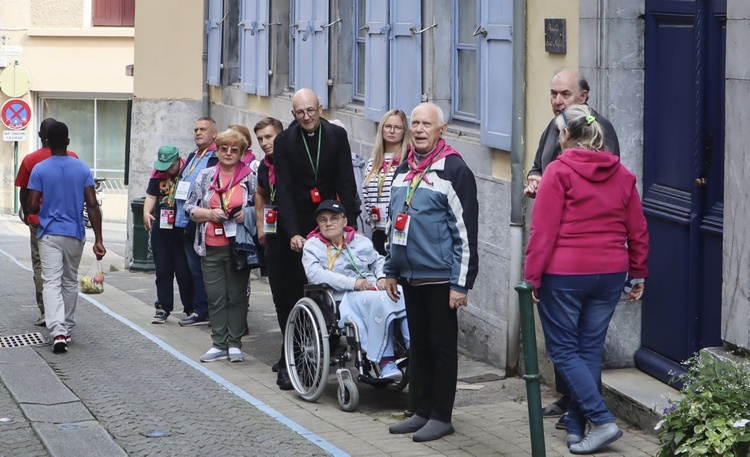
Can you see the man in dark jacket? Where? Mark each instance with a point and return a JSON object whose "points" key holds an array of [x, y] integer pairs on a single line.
{"points": [[433, 254], [567, 88], [312, 163]]}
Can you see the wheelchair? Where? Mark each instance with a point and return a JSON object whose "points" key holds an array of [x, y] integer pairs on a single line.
{"points": [[312, 345]]}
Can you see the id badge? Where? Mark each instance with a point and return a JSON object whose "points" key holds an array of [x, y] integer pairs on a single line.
{"points": [[166, 219], [218, 231], [401, 229], [183, 187], [379, 216], [315, 195], [230, 228], [270, 215]]}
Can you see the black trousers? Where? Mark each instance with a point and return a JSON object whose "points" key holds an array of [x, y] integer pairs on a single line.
{"points": [[433, 326], [170, 261], [286, 276], [378, 241]]}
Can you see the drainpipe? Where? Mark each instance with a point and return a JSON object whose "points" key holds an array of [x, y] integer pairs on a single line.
{"points": [[206, 105], [517, 222]]}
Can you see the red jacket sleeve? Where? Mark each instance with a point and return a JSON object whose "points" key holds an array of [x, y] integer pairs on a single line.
{"points": [[545, 223], [637, 236]]}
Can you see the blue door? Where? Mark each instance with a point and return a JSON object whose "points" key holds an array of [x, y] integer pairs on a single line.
{"points": [[683, 181]]}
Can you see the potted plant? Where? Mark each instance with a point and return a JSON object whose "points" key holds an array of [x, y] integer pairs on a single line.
{"points": [[713, 417]]}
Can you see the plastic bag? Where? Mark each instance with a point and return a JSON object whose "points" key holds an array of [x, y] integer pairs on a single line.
{"points": [[93, 281]]}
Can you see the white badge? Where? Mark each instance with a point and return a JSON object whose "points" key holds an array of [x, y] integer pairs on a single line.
{"points": [[399, 236], [380, 217], [182, 190], [230, 228], [270, 223]]}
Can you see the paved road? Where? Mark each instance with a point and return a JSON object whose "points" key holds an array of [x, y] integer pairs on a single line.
{"points": [[124, 378]]}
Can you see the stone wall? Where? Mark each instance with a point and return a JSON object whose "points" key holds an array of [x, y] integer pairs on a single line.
{"points": [[735, 313]]}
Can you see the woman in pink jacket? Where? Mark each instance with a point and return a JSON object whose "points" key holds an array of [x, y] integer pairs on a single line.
{"points": [[588, 233]]}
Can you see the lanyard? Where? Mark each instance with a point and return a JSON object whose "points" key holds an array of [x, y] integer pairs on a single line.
{"points": [[228, 194], [273, 192], [351, 260], [171, 189], [194, 163], [309, 156], [413, 187], [382, 175]]}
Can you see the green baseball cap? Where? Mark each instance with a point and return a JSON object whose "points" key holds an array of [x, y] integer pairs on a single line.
{"points": [[166, 157]]}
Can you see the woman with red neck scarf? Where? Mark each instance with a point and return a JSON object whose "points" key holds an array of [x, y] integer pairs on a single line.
{"points": [[218, 203], [389, 151]]}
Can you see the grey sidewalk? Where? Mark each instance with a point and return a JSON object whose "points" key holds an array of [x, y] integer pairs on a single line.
{"points": [[129, 378]]}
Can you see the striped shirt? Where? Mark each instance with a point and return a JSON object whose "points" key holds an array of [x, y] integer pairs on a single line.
{"points": [[377, 193]]}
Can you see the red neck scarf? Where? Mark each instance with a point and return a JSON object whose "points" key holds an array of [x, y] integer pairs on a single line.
{"points": [[240, 171], [271, 174], [349, 233], [442, 150], [248, 157]]}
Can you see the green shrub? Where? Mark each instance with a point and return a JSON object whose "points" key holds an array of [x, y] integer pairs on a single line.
{"points": [[712, 419]]}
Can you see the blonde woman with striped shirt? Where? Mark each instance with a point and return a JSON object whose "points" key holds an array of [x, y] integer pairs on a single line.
{"points": [[389, 151]]}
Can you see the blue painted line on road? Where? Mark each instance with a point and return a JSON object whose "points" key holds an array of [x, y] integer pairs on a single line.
{"points": [[297, 428]]}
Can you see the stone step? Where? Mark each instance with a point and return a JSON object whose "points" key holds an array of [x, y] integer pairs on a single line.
{"points": [[636, 397]]}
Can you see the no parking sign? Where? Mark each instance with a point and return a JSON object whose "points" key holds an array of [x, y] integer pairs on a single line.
{"points": [[16, 114]]}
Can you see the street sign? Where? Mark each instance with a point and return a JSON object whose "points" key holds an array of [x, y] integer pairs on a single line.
{"points": [[16, 114], [15, 135], [11, 50]]}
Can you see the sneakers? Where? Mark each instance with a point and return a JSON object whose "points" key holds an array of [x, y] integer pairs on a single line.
{"points": [[214, 356], [554, 410], [236, 355], [192, 320], [598, 437], [160, 316], [59, 345], [560, 424], [391, 371], [410, 425], [41, 322]]}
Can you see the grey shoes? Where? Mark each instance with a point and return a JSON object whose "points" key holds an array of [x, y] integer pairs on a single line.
{"points": [[192, 320], [423, 429], [572, 438], [410, 425], [214, 356], [433, 430], [41, 322], [236, 356], [598, 437], [160, 316]]}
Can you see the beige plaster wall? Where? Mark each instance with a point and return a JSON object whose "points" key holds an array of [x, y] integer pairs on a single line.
{"points": [[541, 66], [168, 49], [59, 13]]}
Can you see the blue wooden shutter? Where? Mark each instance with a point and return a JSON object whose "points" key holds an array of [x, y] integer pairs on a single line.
{"points": [[311, 47], [376, 54], [254, 47], [213, 29], [406, 55], [496, 74]]}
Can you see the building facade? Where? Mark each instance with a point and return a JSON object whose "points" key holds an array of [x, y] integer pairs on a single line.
{"points": [[488, 64]]}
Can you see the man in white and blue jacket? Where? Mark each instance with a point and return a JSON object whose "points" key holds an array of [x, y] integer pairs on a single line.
{"points": [[432, 253]]}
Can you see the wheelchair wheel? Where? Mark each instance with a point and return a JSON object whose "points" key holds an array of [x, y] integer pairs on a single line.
{"points": [[348, 395], [306, 349]]}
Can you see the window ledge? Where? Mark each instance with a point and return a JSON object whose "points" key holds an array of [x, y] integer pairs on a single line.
{"points": [[93, 32]]}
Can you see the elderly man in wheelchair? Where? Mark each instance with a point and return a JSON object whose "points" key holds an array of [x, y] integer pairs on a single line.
{"points": [[352, 272]]}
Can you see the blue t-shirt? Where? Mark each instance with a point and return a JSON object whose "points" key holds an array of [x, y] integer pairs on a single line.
{"points": [[61, 180]]}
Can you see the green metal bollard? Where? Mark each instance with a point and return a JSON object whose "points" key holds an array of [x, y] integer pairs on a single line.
{"points": [[532, 376], [142, 260]]}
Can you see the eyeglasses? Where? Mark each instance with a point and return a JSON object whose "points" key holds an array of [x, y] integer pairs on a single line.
{"points": [[225, 149], [300, 113], [396, 128], [332, 220]]}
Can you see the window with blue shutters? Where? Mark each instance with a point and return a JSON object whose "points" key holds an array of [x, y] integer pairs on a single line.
{"points": [[482, 66], [310, 50], [496, 72], [360, 42], [254, 27], [213, 29], [465, 100], [393, 56]]}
